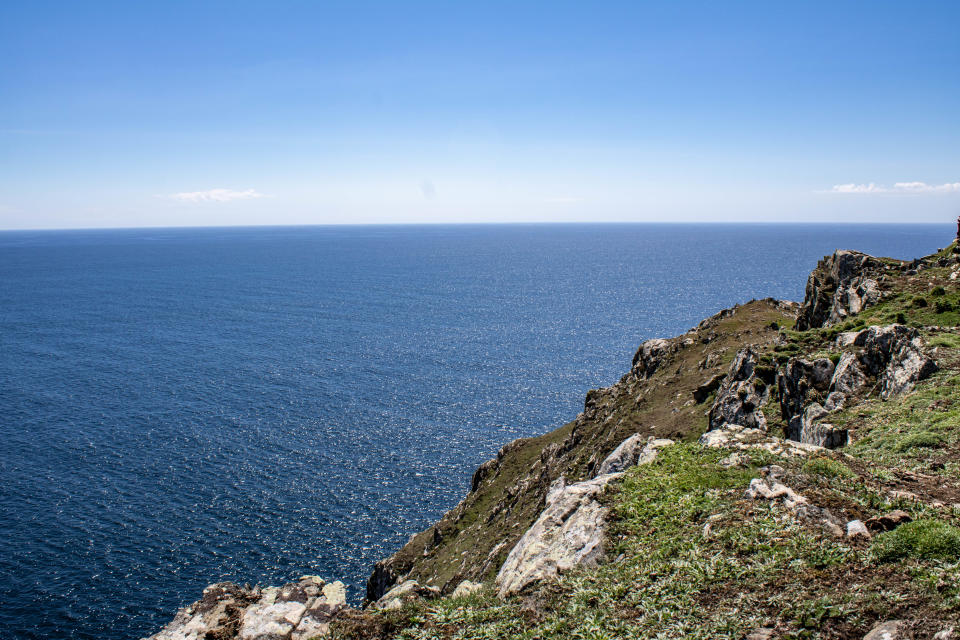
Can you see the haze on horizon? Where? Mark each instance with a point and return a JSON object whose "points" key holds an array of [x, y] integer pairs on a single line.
{"points": [[237, 113]]}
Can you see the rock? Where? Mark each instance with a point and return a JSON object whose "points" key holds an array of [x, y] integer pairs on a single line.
{"points": [[893, 630], [908, 366], [737, 437], [465, 588], [296, 611], [841, 285], [945, 634], [568, 533], [650, 356], [796, 382], [406, 591], [217, 612], [835, 401], [857, 530], [848, 377], [702, 392], [823, 434], [735, 459], [741, 395], [888, 521], [846, 339], [763, 633], [634, 450]]}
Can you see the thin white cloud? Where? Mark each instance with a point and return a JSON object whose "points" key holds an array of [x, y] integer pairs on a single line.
{"points": [[563, 200], [898, 187], [216, 195]]}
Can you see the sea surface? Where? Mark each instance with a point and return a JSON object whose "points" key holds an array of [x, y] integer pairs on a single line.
{"points": [[183, 406]]}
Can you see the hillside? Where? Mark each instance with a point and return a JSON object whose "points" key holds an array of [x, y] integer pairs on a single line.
{"points": [[778, 471]]}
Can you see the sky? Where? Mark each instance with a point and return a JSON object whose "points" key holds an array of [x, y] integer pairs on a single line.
{"points": [[206, 113]]}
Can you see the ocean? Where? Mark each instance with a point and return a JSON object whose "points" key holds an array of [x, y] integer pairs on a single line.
{"points": [[184, 406]]}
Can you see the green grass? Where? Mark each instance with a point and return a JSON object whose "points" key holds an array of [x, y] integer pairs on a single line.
{"points": [[828, 468], [919, 539]]}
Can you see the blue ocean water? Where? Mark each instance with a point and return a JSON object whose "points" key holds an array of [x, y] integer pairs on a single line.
{"points": [[182, 406]]}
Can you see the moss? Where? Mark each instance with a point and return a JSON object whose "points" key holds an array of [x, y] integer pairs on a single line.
{"points": [[938, 291], [925, 538]]}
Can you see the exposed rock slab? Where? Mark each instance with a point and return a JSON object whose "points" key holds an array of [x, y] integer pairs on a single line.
{"points": [[570, 530], [296, 611], [842, 284], [738, 437], [892, 630]]}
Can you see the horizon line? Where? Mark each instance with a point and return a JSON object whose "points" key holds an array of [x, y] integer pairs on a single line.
{"points": [[475, 224]]}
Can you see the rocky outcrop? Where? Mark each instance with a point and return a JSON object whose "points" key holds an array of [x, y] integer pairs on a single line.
{"points": [[842, 284], [798, 383], [297, 611], [401, 594], [741, 395], [848, 377], [895, 354], [650, 356], [570, 530]]}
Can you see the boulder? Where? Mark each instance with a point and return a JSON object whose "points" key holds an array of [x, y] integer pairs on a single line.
{"points": [[892, 630], [465, 588], [796, 383], [835, 401], [634, 450], [857, 530], [702, 392], [741, 395], [406, 591]]}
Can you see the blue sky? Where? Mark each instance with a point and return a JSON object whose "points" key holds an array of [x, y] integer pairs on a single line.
{"points": [[206, 113]]}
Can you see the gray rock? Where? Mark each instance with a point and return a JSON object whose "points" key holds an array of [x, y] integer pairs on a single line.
{"points": [[465, 588], [856, 529], [945, 634], [841, 285], [796, 383], [569, 533], [892, 630], [895, 354], [739, 438], [740, 396], [702, 392], [406, 591], [769, 487], [634, 450], [848, 377], [809, 430], [650, 356], [835, 401], [296, 611], [762, 633]]}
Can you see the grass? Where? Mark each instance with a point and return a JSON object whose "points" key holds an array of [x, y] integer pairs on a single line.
{"points": [[919, 539]]}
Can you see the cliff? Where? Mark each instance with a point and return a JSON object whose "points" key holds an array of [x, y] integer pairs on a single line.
{"points": [[778, 471]]}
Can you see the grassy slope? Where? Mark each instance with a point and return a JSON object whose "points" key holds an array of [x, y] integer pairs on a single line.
{"points": [[757, 566]]}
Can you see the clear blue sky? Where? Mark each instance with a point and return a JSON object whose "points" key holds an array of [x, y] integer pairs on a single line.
{"points": [[183, 113]]}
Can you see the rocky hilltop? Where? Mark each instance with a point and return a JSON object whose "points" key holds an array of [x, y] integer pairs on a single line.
{"points": [[781, 470]]}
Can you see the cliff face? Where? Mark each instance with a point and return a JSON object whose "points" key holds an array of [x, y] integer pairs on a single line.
{"points": [[655, 398], [748, 476]]}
